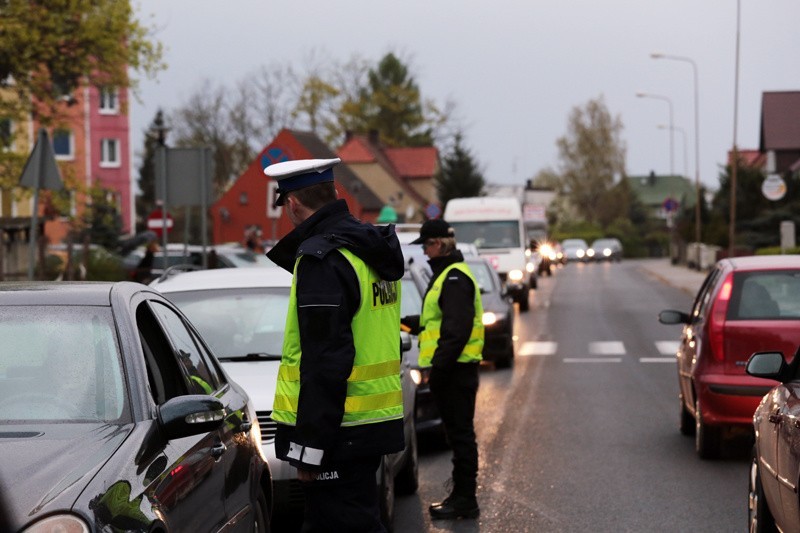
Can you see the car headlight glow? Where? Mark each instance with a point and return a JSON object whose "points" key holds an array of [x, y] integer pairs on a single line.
{"points": [[62, 523], [590, 252], [515, 275], [580, 253], [416, 376], [606, 251], [529, 267], [489, 318]]}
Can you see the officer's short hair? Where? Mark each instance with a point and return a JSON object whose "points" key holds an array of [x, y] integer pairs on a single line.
{"points": [[316, 196]]}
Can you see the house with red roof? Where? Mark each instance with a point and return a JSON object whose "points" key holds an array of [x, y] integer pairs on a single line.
{"points": [[245, 204], [401, 177]]}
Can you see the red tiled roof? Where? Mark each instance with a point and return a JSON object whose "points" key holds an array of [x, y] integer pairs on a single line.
{"points": [[751, 158], [780, 120], [413, 162], [356, 150]]}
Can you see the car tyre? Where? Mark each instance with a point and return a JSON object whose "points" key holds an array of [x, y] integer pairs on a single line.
{"points": [[386, 495], [261, 523], [707, 439], [759, 517], [407, 480], [687, 424]]}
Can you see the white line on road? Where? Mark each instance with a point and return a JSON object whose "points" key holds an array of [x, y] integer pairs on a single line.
{"points": [[607, 348], [537, 348], [657, 360], [667, 347], [592, 359]]}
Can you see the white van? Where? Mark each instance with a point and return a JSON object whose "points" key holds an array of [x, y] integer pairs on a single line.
{"points": [[495, 226]]}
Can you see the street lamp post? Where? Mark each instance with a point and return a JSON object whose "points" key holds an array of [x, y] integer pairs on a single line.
{"points": [[735, 162], [658, 55], [671, 134], [683, 136]]}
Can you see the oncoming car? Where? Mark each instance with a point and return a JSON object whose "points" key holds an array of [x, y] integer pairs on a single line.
{"points": [[115, 415], [605, 250]]}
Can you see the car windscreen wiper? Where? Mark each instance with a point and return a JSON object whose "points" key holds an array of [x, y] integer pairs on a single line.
{"points": [[252, 357]]}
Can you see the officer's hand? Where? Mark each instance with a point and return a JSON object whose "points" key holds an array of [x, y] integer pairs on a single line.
{"points": [[305, 475]]}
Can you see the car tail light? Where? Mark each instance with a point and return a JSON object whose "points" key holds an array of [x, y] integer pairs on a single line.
{"points": [[717, 323]]}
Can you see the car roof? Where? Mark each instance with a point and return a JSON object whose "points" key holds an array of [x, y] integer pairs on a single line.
{"points": [[225, 278], [765, 262], [63, 292]]}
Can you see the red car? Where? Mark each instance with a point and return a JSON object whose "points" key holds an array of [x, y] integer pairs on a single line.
{"points": [[745, 305]]}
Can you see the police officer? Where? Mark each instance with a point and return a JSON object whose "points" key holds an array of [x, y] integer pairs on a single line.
{"points": [[450, 332], [338, 402]]}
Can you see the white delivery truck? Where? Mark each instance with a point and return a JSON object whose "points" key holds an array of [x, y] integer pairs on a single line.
{"points": [[496, 228]]}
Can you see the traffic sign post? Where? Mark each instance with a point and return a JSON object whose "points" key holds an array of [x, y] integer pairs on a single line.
{"points": [[157, 222]]}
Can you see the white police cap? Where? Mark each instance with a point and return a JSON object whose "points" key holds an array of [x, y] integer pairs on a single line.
{"points": [[294, 175]]}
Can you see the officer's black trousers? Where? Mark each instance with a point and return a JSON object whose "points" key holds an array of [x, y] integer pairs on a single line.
{"points": [[454, 392], [343, 498]]}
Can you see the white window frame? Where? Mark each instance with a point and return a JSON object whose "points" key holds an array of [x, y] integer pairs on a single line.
{"points": [[109, 101], [106, 152], [71, 155]]}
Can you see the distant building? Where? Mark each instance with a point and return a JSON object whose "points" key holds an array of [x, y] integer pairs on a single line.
{"points": [[244, 204], [780, 131], [402, 178], [660, 193]]}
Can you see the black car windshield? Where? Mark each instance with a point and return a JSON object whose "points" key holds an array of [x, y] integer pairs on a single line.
{"points": [[238, 323], [59, 363], [488, 234]]}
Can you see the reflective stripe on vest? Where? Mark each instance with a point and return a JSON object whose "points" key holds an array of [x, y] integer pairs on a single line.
{"points": [[431, 321], [373, 387]]}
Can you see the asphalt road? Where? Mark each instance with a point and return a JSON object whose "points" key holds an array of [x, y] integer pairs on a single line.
{"points": [[582, 433]]}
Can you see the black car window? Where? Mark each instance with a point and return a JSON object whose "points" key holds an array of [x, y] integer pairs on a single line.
{"points": [[766, 295], [210, 361], [163, 374], [200, 379], [703, 298]]}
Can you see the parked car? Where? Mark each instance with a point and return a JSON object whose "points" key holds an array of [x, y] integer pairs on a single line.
{"points": [[609, 249], [574, 250], [498, 310], [182, 257], [242, 314], [427, 419], [117, 416], [775, 463], [745, 305]]}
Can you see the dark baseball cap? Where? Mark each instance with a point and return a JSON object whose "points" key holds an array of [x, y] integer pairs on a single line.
{"points": [[434, 229]]}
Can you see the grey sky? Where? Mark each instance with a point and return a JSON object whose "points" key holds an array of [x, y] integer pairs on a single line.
{"points": [[515, 68]]}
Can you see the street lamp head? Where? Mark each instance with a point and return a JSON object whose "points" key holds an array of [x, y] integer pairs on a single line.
{"points": [[656, 55], [641, 94]]}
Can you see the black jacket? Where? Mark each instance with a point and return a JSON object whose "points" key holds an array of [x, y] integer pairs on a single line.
{"points": [[328, 295], [457, 302]]}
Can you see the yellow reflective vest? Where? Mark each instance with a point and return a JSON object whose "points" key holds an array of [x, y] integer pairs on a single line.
{"points": [[373, 387], [431, 321]]}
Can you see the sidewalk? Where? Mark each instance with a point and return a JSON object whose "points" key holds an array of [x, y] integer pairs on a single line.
{"points": [[678, 276]]}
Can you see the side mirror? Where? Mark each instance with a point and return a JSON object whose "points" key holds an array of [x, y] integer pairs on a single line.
{"points": [[189, 415], [769, 365], [405, 341], [671, 317]]}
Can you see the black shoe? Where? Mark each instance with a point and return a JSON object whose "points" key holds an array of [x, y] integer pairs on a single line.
{"points": [[455, 507]]}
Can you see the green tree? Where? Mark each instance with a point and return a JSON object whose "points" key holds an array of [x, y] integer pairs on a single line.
{"points": [[49, 48], [459, 175], [391, 103], [592, 156], [146, 197]]}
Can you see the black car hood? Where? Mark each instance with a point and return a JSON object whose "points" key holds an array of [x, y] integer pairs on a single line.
{"points": [[48, 466]]}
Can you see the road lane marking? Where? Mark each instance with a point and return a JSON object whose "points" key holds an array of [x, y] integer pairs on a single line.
{"points": [[537, 348], [607, 348], [667, 347], [657, 360], [592, 359]]}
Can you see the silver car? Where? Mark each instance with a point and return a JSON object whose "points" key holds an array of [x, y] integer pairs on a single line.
{"points": [[241, 314]]}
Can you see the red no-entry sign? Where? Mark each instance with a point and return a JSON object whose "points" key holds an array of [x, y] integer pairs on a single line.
{"points": [[155, 222]]}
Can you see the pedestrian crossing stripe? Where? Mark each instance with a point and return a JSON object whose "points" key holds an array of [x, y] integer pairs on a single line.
{"points": [[600, 351]]}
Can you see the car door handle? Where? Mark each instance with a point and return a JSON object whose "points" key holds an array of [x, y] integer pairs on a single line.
{"points": [[775, 418], [245, 426], [218, 449]]}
